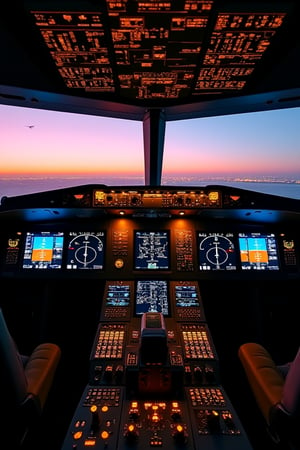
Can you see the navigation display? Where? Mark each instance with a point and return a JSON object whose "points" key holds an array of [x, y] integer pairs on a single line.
{"points": [[258, 251], [43, 250], [118, 295], [151, 296], [151, 250], [216, 251], [86, 250]]}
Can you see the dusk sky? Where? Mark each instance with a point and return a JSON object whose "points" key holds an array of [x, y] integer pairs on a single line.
{"points": [[54, 143]]}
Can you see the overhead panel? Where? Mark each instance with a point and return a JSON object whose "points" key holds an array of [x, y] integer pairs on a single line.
{"points": [[77, 42], [154, 51], [236, 45]]}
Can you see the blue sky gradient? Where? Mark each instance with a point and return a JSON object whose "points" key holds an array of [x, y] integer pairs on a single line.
{"points": [[48, 143]]}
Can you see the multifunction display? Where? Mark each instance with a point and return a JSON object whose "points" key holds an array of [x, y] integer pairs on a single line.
{"points": [[43, 250], [186, 295], [151, 296], [151, 250], [118, 295], [258, 251], [216, 251]]}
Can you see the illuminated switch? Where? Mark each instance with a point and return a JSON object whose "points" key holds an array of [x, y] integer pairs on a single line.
{"points": [[156, 441], [131, 433], [95, 418], [179, 434], [228, 420], [213, 421], [134, 411]]}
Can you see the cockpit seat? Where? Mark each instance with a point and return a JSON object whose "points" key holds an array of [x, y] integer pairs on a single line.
{"points": [[25, 384], [276, 390]]}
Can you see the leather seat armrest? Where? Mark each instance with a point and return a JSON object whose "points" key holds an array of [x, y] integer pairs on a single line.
{"points": [[264, 378], [40, 370]]}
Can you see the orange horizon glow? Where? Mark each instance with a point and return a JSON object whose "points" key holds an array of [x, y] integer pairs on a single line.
{"points": [[124, 174], [68, 164], [38, 173]]}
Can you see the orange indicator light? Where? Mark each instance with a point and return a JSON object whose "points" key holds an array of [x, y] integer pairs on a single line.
{"points": [[77, 435], [105, 435], [90, 443]]}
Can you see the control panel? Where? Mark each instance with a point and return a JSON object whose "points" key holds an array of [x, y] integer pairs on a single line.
{"points": [[154, 375], [177, 248]]}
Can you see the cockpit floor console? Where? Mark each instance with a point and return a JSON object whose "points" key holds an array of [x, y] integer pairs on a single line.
{"points": [[154, 378], [108, 418]]}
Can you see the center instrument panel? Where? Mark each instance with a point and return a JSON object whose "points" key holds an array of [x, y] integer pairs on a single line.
{"points": [[154, 378], [123, 247]]}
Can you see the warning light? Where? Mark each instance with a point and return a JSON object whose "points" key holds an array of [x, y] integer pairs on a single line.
{"points": [[105, 434], [155, 418], [131, 433], [77, 435], [90, 443]]}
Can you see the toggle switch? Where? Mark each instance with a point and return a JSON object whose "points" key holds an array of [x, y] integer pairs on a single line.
{"points": [[95, 418], [179, 434], [131, 433]]}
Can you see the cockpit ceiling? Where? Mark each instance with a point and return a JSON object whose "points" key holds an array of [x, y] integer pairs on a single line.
{"points": [[151, 53], [159, 52]]}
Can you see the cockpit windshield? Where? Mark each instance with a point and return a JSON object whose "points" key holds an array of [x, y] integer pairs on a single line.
{"points": [[44, 150], [256, 151]]}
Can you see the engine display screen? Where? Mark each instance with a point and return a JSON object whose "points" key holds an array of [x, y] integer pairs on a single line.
{"points": [[258, 251], [118, 295], [216, 251], [86, 250], [43, 250], [151, 250], [151, 296], [186, 296]]}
